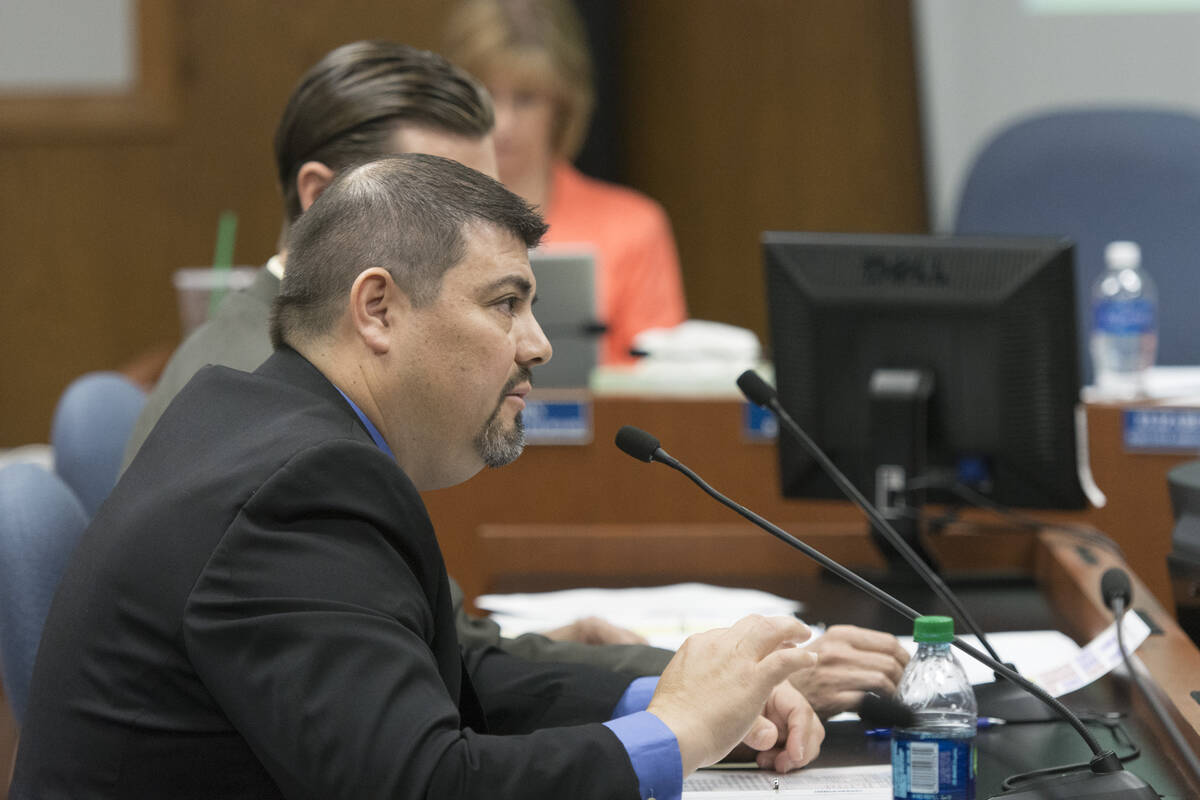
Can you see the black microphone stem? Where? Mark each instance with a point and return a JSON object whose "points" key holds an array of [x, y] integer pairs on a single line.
{"points": [[931, 578], [891, 602]]}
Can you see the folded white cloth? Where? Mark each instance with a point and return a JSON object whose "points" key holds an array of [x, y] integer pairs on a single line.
{"points": [[699, 340]]}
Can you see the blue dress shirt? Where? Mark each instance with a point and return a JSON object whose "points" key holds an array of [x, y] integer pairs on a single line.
{"points": [[653, 749]]}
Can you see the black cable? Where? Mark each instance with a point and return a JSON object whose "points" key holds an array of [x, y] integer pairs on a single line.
{"points": [[978, 500], [1013, 781]]}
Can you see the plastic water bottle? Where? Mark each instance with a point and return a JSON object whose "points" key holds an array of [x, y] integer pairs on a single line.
{"points": [[1124, 322], [935, 759]]}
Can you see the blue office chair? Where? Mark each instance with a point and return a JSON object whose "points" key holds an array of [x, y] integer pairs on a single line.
{"points": [[40, 522], [1097, 175], [92, 423]]}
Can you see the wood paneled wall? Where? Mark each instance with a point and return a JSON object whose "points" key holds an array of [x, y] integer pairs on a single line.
{"points": [[770, 115], [739, 116]]}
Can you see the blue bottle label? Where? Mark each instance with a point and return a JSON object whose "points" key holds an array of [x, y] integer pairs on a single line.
{"points": [[928, 768], [1124, 317]]}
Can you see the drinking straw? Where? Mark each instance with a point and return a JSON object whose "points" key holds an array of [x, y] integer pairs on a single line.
{"points": [[222, 256]]}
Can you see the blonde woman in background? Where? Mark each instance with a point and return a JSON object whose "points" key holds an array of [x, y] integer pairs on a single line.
{"points": [[533, 58]]}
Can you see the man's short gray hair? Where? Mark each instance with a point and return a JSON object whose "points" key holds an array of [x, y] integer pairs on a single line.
{"points": [[404, 213]]}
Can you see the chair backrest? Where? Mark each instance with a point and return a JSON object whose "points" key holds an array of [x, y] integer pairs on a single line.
{"points": [[40, 522], [1098, 175], [92, 423]]}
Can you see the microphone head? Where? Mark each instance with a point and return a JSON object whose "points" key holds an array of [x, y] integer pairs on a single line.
{"points": [[881, 711], [637, 443], [1114, 583], [757, 390]]}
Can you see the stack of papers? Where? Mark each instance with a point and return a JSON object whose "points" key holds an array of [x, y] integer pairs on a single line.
{"points": [[664, 615], [872, 782], [1053, 661]]}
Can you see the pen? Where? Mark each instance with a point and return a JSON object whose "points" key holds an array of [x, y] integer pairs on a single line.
{"points": [[980, 724]]}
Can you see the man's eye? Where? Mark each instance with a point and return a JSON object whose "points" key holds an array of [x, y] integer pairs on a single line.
{"points": [[525, 98]]}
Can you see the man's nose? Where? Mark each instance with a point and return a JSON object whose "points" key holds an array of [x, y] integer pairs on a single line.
{"points": [[533, 348]]}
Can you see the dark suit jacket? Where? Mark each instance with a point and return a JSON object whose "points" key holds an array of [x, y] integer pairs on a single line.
{"points": [[260, 609]]}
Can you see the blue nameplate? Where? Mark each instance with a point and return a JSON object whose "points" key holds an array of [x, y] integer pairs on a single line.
{"points": [[1161, 429], [758, 424], [559, 419]]}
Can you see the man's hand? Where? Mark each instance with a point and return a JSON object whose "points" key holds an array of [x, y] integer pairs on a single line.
{"points": [[795, 732], [594, 630], [715, 693], [852, 661]]}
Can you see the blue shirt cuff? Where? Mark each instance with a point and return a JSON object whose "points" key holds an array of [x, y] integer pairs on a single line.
{"points": [[654, 753], [637, 696]]}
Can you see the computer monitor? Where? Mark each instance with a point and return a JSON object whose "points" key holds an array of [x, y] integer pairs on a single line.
{"points": [[566, 310], [944, 359]]}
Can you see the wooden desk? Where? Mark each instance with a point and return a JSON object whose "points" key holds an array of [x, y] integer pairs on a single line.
{"points": [[596, 483], [1138, 513]]}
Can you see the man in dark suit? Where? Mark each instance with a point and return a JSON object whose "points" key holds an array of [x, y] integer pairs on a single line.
{"points": [[261, 608], [369, 99]]}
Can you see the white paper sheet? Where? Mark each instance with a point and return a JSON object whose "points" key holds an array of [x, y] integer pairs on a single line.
{"points": [[1051, 659], [1180, 385], [1033, 652], [872, 782], [665, 615], [1095, 659]]}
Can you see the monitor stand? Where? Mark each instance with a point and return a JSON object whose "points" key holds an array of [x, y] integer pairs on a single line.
{"points": [[899, 436]]}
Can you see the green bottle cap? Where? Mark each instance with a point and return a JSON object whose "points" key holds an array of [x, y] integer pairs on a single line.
{"points": [[933, 629]]}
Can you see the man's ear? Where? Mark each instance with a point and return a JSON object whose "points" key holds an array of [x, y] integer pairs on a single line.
{"points": [[312, 179], [376, 306]]}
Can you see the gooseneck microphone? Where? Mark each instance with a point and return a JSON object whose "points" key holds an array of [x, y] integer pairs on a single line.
{"points": [[1103, 776], [885, 711], [997, 699], [1117, 593], [639, 444], [1116, 590]]}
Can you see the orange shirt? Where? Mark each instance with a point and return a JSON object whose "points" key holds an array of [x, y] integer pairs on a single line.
{"points": [[637, 267]]}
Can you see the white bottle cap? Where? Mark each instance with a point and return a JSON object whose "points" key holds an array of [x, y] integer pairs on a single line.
{"points": [[1123, 255]]}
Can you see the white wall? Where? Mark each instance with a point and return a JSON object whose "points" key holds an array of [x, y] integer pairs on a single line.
{"points": [[985, 63]]}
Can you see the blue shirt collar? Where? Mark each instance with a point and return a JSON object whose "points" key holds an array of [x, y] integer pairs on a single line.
{"points": [[376, 436]]}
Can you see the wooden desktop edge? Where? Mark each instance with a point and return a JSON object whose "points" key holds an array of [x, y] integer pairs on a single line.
{"points": [[1070, 575]]}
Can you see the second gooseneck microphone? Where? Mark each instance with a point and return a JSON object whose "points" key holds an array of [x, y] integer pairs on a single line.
{"points": [[1117, 592]]}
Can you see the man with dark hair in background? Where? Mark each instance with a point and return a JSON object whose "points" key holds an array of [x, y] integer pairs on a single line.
{"points": [[261, 608], [361, 101]]}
